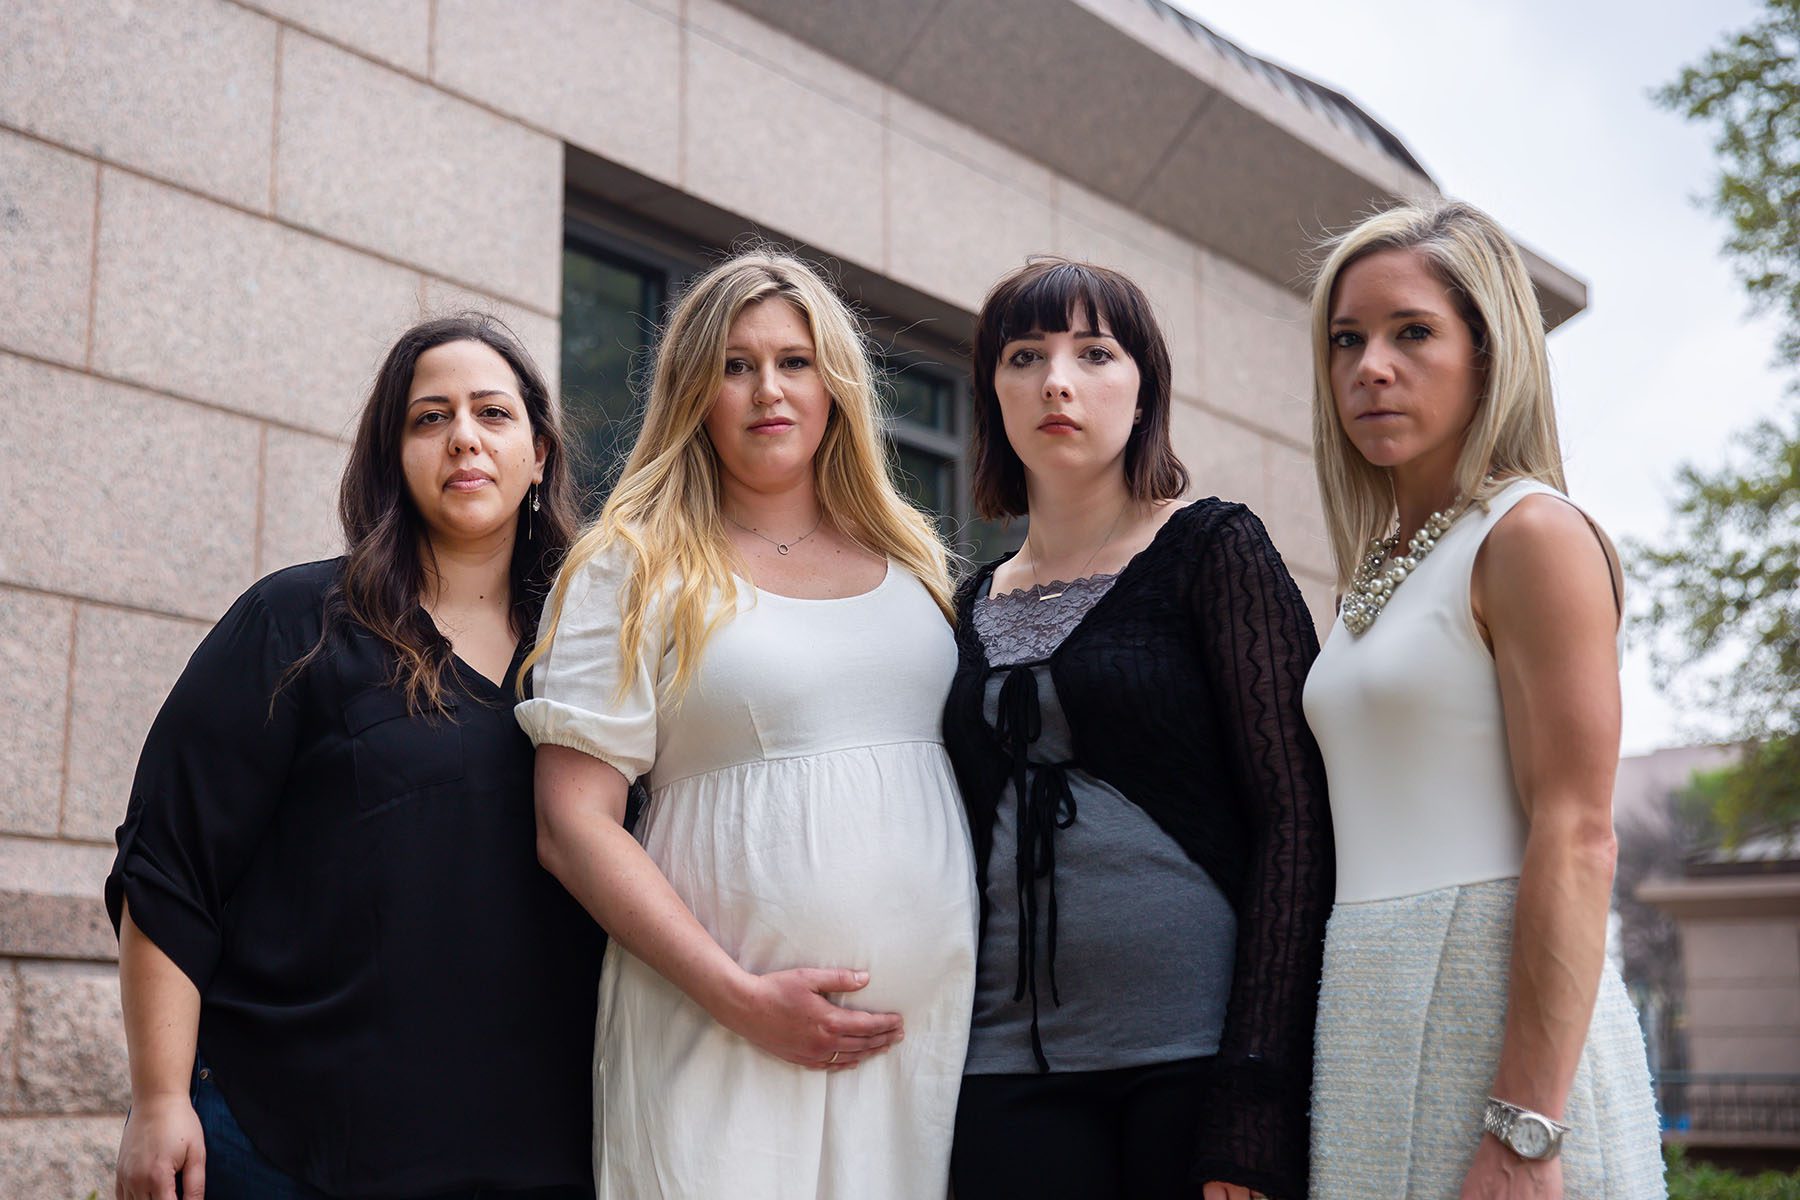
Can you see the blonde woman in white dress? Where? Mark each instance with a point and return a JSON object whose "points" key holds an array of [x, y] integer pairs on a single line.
{"points": [[757, 627], [1472, 1040]]}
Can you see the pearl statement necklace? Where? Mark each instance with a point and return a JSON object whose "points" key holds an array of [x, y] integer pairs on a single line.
{"points": [[1372, 587]]}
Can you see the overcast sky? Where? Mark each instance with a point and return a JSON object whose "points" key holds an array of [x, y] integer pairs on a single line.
{"points": [[1538, 112]]}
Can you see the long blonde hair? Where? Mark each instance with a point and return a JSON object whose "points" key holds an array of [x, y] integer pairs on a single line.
{"points": [[666, 506], [1514, 430]]}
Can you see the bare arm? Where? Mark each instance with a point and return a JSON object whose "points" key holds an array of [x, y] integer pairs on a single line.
{"points": [[162, 1024], [582, 841], [1542, 590]]}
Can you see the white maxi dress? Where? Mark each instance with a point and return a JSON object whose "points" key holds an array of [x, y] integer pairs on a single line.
{"points": [[802, 806]]}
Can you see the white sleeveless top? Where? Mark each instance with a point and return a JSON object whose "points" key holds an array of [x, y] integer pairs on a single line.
{"points": [[1408, 717]]}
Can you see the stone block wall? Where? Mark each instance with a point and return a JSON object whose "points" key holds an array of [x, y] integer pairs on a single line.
{"points": [[215, 215]]}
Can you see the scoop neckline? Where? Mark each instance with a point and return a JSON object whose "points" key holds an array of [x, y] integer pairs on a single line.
{"points": [[984, 579], [1081, 581], [886, 577], [985, 576]]}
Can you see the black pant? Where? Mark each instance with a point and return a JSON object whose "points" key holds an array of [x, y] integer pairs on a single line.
{"points": [[1084, 1135], [236, 1170]]}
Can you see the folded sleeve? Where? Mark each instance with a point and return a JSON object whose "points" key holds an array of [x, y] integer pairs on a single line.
{"points": [[585, 694], [210, 777]]}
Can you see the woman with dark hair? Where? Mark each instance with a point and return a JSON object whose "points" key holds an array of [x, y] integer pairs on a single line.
{"points": [[1152, 841], [343, 971]]}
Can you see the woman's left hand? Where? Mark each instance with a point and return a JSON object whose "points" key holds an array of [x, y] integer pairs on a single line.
{"points": [[1228, 1191], [1499, 1174]]}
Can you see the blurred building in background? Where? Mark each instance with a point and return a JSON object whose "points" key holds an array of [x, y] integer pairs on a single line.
{"points": [[216, 214], [1710, 939]]}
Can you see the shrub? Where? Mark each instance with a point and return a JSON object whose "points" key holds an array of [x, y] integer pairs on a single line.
{"points": [[1703, 1181]]}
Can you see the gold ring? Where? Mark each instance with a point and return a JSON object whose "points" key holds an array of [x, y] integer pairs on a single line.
{"points": [[832, 1059]]}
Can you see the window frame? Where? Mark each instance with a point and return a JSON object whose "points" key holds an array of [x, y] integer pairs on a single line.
{"points": [[903, 348], [630, 242]]}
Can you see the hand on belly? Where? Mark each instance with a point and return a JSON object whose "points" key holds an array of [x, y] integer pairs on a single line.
{"points": [[787, 1013]]}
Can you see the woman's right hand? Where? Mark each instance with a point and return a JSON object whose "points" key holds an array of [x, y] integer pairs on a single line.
{"points": [[162, 1137], [787, 1014], [581, 841]]}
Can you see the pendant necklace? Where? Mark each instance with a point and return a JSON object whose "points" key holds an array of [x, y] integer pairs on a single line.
{"points": [[1042, 596], [781, 548]]}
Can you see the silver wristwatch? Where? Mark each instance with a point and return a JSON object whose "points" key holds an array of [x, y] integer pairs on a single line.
{"points": [[1527, 1134]]}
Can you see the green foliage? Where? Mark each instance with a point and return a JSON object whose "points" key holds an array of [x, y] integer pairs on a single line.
{"points": [[1702, 1181], [1725, 587], [1730, 577], [1760, 795], [1725, 600], [1750, 87]]}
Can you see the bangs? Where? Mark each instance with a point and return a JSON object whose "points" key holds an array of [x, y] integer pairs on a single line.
{"points": [[1042, 303], [1044, 296]]}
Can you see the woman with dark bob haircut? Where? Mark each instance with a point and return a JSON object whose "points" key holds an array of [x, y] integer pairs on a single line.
{"points": [[343, 971], [1152, 840]]}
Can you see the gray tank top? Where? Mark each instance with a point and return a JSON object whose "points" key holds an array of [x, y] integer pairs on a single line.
{"points": [[1144, 939]]}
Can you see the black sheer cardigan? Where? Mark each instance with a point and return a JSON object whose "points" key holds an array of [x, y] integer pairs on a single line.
{"points": [[1182, 691]]}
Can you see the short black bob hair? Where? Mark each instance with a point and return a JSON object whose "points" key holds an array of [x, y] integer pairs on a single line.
{"points": [[1039, 297]]}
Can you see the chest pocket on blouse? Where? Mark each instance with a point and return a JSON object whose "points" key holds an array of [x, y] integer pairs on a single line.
{"points": [[398, 752]]}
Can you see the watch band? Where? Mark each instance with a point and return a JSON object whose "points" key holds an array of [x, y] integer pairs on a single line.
{"points": [[1530, 1135]]}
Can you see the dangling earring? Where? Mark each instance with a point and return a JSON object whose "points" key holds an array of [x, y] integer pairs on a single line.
{"points": [[534, 508]]}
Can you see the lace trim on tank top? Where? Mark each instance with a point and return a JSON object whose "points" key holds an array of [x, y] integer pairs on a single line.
{"points": [[1018, 627], [1183, 692], [1020, 630]]}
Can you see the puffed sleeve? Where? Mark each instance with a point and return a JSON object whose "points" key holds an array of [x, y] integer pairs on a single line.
{"points": [[212, 772], [577, 698], [1259, 645]]}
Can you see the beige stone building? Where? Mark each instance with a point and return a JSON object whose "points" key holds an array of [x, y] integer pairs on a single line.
{"points": [[1740, 942], [215, 214], [1737, 917]]}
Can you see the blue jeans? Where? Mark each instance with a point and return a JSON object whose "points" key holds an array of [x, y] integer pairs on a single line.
{"points": [[236, 1170]]}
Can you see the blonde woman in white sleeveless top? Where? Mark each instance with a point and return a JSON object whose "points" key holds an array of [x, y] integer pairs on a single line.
{"points": [[1472, 1040]]}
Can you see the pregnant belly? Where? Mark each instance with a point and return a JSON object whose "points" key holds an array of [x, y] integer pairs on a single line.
{"points": [[856, 858]]}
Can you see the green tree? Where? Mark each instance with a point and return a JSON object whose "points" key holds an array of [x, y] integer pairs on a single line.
{"points": [[1760, 794], [1726, 586], [1749, 87], [1725, 604]]}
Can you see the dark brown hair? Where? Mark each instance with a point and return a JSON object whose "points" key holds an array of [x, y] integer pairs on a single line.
{"points": [[1039, 297], [384, 575]]}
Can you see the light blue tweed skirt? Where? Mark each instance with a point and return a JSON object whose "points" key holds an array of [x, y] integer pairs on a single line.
{"points": [[1411, 1013]]}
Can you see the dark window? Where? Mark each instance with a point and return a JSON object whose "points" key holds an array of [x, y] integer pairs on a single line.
{"points": [[929, 405], [617, 284], [608, 308], [614, 295]]}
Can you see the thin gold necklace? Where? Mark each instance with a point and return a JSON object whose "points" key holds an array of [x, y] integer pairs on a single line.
{"points": [[1035, 584]]}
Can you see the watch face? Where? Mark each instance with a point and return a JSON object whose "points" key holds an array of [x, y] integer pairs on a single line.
{"points": [[1530, 1137]]}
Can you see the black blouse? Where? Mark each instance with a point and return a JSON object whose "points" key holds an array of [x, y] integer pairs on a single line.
{"points": [[396, 1000], [1182, 690]]}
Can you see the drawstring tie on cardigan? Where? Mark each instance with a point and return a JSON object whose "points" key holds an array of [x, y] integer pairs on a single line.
{"points": [[1045, 804]]}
